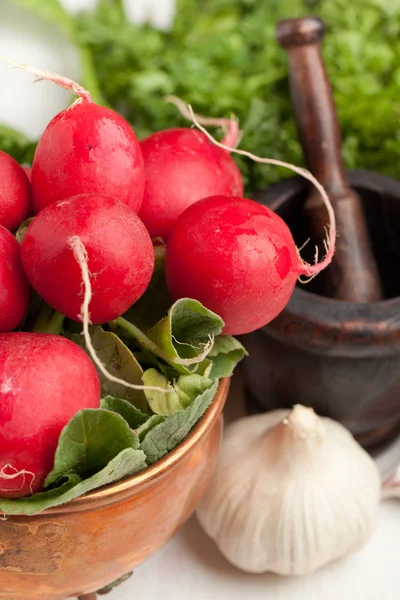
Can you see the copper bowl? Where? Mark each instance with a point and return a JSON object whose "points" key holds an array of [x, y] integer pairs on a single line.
{"points": [[86, 544]]}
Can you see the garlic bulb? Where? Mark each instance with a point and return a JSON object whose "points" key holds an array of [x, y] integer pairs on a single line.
{"points": [[291, 492]]}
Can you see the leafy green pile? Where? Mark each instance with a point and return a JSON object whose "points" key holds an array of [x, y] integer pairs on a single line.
{"points": [[135, 428], [222, 57]]}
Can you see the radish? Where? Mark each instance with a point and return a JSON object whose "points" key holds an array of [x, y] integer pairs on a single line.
{"points": [[86, 148], [14, 192], [44, 380], [181, 167], [238, 257], [119, 253], [14, 287]]}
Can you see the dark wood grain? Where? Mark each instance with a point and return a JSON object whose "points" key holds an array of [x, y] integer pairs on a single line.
{"points": [[353, 274]]}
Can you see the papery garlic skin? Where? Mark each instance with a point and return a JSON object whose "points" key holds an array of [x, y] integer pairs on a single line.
{"points": [[291, 492]]}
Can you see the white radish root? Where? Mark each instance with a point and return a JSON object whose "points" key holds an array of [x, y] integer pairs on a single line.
{"points": [[309, 270], [15, 474], [233, 135], [64, 82]]}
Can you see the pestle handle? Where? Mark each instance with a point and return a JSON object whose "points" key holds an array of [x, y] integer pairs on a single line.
{"points": [[353, 274]]}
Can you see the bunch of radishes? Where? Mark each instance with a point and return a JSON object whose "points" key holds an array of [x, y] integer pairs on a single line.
{"points": [[94, 188]]}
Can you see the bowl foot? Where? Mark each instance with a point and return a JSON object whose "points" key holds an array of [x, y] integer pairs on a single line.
{"points": [[107, 589]]}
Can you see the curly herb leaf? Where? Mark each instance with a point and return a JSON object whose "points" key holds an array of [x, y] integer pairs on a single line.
{"points": [[224, 58]]}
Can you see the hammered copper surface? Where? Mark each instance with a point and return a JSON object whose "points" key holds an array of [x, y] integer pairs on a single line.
{"points": [[82, 546]]}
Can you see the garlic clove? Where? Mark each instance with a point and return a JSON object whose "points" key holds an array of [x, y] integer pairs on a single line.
{"points": [[291, 492]]}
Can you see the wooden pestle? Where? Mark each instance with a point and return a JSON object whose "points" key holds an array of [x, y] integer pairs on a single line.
{"points": [[353, 274]]}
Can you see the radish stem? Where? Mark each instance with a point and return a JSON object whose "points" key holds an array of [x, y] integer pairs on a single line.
{"points": [[48, 320], [148, 344], [42, 318], [55, 323], [113, 326]]}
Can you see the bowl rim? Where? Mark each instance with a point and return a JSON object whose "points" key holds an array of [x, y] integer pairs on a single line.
{"points": [[119, 490]]}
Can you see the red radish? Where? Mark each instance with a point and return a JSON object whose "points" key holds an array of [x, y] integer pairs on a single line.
{"points": [[14, 287], [14, 192], [44, 380], [86, 148], [119, 252], [235, 256], [181, 167]]}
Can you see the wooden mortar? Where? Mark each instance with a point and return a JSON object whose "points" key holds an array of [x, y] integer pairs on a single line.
{"points": [[341, 358], [336, 345]]}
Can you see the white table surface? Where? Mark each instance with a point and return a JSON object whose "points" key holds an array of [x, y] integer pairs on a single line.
{"points": [[190, 567]]}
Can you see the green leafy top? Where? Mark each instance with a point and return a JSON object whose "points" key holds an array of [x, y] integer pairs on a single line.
{"points": [[80, 451], [165, 436], [120, 362], [176, 397], [185, 332]]}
